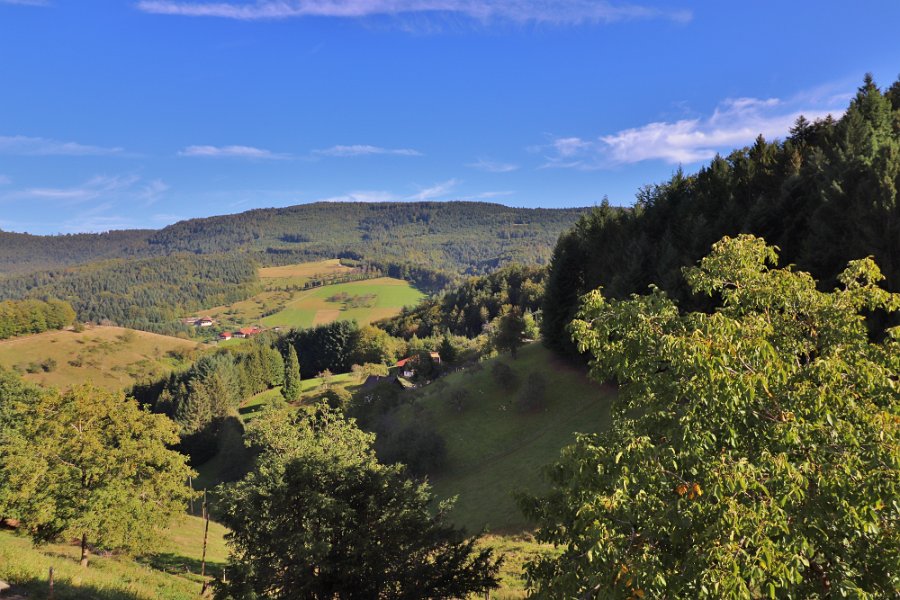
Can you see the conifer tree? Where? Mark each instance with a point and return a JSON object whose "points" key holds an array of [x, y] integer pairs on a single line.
{"points": [[291, 388]]}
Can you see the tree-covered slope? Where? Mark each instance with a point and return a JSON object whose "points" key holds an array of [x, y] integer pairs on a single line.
{"points": [[450, 236], [825, 195]]}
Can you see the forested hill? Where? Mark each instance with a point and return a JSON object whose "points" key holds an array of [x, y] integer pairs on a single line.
{"points": [[825, 195], [459, 237]]}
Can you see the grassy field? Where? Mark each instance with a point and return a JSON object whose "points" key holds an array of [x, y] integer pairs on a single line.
{"points": [[110, 357], [171, 572], [493, 449], [377, 299], [284, 303]]}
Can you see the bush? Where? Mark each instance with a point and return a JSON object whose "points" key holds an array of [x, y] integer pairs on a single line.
{"points": [[505, 377], [48, 365], [417, 445], [338, 398], [534, 396]]}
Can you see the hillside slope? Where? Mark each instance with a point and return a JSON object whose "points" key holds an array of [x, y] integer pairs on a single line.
{"points": [[494, 449], [453, 236], [110, 357]]}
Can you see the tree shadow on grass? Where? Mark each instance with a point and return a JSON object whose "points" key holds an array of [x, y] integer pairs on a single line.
{"points": [[170, 562], [39, 589]]}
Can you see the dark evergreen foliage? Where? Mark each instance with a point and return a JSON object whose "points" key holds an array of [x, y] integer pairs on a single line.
{"points": [[825, 195], [466, 309]]}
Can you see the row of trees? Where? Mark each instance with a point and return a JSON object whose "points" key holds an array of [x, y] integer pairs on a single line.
{"points": [[149, 294], [825, 195], [466, 309], [33, 316]]}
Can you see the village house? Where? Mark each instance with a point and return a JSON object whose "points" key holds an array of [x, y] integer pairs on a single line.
{"points": [[247, 332], [205, 322], [225, 335]]}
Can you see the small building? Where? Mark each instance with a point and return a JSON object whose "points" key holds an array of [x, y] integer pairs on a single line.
{"points": [[205, 322], [225, 335], [247, 332], [435, 357]]}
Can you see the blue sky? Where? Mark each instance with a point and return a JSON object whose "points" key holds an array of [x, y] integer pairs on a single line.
{"points": [[121, 114]]}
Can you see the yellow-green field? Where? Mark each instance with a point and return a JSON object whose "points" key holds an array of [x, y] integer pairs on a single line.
{"points": [[284, 303], [110, 357], [297, 275], [382, 297], [170, 571]]}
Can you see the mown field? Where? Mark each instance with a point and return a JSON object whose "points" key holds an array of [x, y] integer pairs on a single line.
{"points": [[110, 357], [171, 571], [363, 301], [284, 303]]}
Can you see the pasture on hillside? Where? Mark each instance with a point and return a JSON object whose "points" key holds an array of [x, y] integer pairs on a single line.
{"points": [[493, 448], [283, 301], [364, 301], [110, 357]]}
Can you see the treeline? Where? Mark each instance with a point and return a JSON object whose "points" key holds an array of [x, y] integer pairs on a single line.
{"points": [[21, 317], [825, 195], [448, 237], [467, 309], [149, 294]]}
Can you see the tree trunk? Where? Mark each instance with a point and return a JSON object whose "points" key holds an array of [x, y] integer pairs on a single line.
{"points": [[84, 550]]}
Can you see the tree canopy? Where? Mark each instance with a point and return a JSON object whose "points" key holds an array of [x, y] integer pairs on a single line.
{"points": [[755, 451], [89, 464], [320, 517], [825, 195]]}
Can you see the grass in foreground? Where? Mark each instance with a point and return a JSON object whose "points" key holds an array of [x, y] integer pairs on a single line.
{"points": [[171, 572], [110, 357]]}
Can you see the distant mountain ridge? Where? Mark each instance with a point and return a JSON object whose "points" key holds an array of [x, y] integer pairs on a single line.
{"points": [[463, 237]]}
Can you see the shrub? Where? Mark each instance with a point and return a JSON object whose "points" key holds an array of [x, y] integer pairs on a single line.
{"points": [[534, 394], [505, 377]]}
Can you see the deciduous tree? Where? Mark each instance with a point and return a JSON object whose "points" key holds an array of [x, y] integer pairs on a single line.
{"points": [[755, 451]]}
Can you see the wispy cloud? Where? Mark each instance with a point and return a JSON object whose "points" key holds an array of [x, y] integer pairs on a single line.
{"points": [[734, 123], [91, 189], [365, 150], [4, 180], [491, 166], [37, 146], [559, 12], [435, 191], [232, 152]]}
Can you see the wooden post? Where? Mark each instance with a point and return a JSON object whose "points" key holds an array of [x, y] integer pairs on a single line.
{"points": [[191, 484], [51, 584], [205, 537]]}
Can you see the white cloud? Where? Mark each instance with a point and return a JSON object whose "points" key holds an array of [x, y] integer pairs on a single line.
{"points": [[366, 150], [491, 166], [438, 190], [37, 146], [559, 12], [231, 152], [734, 123]]}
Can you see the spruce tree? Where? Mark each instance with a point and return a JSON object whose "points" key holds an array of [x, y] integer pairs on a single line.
{"points": [[291, 388]]}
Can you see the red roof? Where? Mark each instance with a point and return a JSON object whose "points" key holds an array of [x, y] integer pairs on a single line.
{"points": [[249, 330], [402, 363]]}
